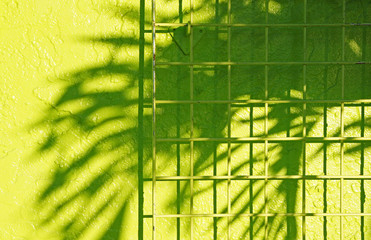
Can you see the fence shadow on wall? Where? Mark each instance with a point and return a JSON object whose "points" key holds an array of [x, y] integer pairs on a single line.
{"points": [[99, 129]]}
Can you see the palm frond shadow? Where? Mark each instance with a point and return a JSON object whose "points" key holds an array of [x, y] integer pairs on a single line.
{"points": [[96, 117]]}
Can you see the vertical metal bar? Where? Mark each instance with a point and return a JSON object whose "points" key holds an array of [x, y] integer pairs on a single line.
{"points": [[251, 159], [229, 120], [341, 165], [266, 123], [154, 119], [304, 117], [191, 114], [140, 119], [180, 11], [325, 130], [342, 123], [266, 167], [215, 145], [178, 187], [362, 172], [362, 166], [251, 172]]}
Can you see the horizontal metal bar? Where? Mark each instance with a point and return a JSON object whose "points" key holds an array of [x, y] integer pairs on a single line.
{"points": [[157, 31], [254, 63], [257, 177], [262, 101], [263, 24], [219, 215], [251, 104], [270, 139]]}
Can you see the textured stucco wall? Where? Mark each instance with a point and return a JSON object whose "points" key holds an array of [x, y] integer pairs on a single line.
{"points": [[58, 58], [73, 132]]}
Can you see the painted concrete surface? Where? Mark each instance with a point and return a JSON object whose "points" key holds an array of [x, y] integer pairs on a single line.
{"points": [[75, 119], [69, 92]]}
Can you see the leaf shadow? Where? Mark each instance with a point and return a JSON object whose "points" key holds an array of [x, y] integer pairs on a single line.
{"points": [[97, 116]]}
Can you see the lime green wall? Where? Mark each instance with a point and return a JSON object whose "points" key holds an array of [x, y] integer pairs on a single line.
{"points": [[54, 62], [74, 132]]}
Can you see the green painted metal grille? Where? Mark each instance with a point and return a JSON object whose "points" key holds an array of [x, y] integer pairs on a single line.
{"points": [[265, 107]]}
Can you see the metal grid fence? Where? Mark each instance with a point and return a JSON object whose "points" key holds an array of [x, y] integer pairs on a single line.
{"points": [[266, 103]]}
